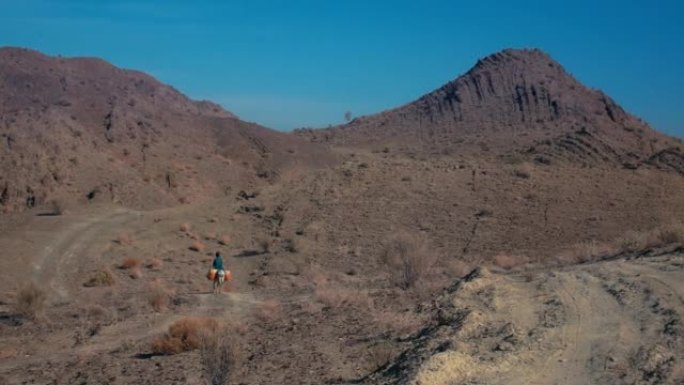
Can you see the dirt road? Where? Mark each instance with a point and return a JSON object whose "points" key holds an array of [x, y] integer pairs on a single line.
{"points": [[616, 322]]}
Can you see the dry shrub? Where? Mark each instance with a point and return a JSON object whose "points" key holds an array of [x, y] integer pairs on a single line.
{"points": [[398, 323], [339, 296], [268, 311], [209, 236], [130, 263], [159, 296], [124, 239], [185, 227], [457, 268], [184, 335], [30, 300], [408, 257], [197, 246], [508, 261], [135, 273], [587, 251], [379, 355], [523, 171], [57, 207], [633, 241], [154, 264], [101, 278], [224, 240], [219, 353], [673, 233], [264, 244]]}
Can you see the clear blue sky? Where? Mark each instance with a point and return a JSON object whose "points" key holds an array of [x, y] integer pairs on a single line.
{"points": [[297, 63]]}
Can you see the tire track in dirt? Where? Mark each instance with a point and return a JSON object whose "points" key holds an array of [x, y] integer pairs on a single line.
{"points": [[590, 336], [62, 256]]}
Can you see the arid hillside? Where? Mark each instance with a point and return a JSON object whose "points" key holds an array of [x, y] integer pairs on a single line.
{"points": [[513, 227], [77, 130], [514, 101]]}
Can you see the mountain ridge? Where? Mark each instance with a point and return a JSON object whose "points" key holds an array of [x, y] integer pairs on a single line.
{"points": [[515, 100]]}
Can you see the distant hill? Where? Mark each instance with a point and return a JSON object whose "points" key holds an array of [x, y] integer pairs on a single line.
{"points": [[80, 128], [514, 101]]}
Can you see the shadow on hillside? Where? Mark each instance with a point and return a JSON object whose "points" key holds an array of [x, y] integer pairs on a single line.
{"points": [[248, 253]]}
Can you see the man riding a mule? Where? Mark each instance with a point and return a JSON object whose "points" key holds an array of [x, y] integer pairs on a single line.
{"points": [[220, 275]]}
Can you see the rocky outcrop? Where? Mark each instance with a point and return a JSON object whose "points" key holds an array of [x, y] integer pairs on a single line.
{"points": [[510, 101]]}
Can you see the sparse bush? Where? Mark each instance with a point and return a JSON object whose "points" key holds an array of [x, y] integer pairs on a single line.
{"points": [[197, 246], [56, 207], [224, 240], [184, 335], [124, 239], [408, 257], [398, 323], [523, 171], [339, 296], [673, 233], [219, 354], [632, 241], [159, 296], [268, 311], [587, 251], [135, 273], [379, 355], [508, 261], [101, 278], [154, 264], [130, 263], [30, 300], [264, 244]]}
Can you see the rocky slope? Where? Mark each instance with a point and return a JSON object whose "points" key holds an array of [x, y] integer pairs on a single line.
{"points": [[82, 129], [513, 101]]}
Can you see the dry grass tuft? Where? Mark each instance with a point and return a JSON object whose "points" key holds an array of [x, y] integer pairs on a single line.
{"points": [[398, 323], [185, 335], [379, 355], [508, 261], [197, 246], [130, 263], [339, 296], [523, 171], [159, 296], [224, 240], [154, 264], [408, 257], [101, 278], [672, 233], [30, 301], [135, 273], [587, 251], [634, 241], [124, 239], [268, 311], [264, 244], [219, 353]]}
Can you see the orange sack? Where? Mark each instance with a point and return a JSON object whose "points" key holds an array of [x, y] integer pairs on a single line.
{"points": [[229, 276], [211, 275]]}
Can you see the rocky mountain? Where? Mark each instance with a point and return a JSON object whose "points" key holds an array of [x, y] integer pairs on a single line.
{"points": [[82, 129], [514, 101]]}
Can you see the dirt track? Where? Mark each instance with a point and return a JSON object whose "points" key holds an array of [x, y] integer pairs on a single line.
{"points": [[615, 322]]}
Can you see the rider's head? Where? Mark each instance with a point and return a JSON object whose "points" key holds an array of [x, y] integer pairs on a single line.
{"points": [[218, 254]]}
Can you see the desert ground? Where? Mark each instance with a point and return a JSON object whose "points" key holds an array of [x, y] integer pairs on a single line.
{"points": [[471, 237]]}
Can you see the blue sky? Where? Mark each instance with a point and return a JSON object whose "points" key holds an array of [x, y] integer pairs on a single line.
{"points": [[296, 63]]}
